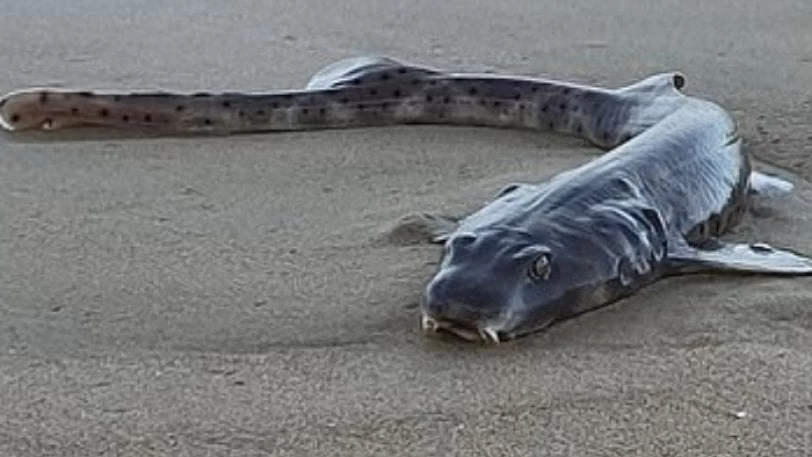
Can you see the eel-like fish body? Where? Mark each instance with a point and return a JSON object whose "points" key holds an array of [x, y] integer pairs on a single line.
{"points": [[675, 178]]}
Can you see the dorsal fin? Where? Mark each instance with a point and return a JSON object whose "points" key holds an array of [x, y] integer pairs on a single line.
{"points": [[358, 71]]}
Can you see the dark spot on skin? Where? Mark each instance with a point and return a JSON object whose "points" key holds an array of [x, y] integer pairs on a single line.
{"points": [[104, 112], [396, 93], [125, 118], [207, 121], [563, 106], [274, 105], [43, 97], [305, 111], [14, 118], [74, 110], [579, 129], [241, 113], [446, 100], [551, 125], [432, 83], [226, 104], [373, 92], [385, 77], [322, 111], [355, 82], [384, 105], [344, 100], [497, 103], [545, 108], [147, 118], [201, 94], [482, 102], [517, 97], [605, 136], [260, 112], [534, 89], [566, 91], [402, 71], [361, 106], [180, 108], [429, 98], [472, 91], [415, 82]]}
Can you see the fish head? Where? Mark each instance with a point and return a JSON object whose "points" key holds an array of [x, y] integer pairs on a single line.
{"points": [[496, 284]]}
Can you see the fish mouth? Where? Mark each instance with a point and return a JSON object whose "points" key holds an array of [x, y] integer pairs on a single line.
{"points": [[488, 334]]}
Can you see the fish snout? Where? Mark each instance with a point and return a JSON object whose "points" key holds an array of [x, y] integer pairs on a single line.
{"points": [[463, 311], [451, 297], [457, 312]]}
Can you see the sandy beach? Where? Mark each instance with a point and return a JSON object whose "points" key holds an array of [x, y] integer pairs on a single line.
{"points": [[238, 296]]}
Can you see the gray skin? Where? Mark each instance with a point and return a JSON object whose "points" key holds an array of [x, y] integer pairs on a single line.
{"points": [[361, 92], [606, 229], [675, 179]]}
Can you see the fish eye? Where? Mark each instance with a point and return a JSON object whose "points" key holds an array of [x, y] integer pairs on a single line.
{"points": [[540, 268]]}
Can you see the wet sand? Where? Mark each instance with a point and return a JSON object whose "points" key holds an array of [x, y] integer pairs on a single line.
{"points": [[236, 296]]}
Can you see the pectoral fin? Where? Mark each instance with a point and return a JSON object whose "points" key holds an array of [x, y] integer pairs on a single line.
{"points": [[731, 257], [769, 186]]}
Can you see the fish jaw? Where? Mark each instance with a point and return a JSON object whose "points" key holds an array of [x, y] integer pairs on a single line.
{"points": [[487, 333]]}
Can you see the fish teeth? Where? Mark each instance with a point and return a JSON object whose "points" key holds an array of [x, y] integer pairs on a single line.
{"points": [[428, 324], [489, 335], [431, 325]]}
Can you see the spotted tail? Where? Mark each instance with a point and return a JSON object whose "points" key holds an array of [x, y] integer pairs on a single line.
{"points": [[358, 92]]}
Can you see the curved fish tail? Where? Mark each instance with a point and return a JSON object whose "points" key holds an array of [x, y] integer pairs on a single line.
{"points": [[48, 109], [360, 92]]}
